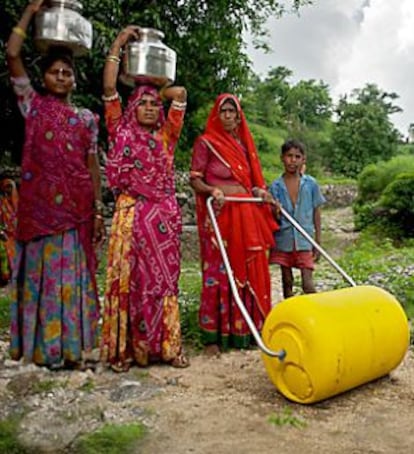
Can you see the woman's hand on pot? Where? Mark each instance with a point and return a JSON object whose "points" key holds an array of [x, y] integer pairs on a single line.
{"points": [[174, 92], [128, 33]]}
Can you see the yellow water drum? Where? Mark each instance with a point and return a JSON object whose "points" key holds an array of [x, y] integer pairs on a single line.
{"points": [[334, 341]]}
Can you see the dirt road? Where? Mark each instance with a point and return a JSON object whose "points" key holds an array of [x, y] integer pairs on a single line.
{"points": [[227, 405]]}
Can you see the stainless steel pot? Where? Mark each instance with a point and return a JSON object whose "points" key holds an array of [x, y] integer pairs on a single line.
{"points": [[149, 60], [59, 22]]}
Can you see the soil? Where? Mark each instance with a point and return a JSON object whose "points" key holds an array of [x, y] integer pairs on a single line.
{"points": [[224, 405], [219, 405]]}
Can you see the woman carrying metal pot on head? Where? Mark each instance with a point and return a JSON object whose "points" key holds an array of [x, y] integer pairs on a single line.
{"points": [[141, 317], [54, 310], [225, 163]]}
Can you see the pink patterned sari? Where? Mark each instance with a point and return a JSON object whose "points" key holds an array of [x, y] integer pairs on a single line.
{"points": [[141, 317], [54, 310]]}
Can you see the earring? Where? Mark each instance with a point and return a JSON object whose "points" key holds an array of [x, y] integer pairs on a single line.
{"points": [[74, 86]]}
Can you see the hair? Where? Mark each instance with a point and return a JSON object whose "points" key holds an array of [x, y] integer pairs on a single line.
{"points": [[56, 53], [292, 143]]}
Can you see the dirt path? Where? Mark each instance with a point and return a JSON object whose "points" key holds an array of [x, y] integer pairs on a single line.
{"points": [[223, 405]]}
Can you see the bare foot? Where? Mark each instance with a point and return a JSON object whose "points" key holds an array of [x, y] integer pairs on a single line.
{"points": [[212, 350]]}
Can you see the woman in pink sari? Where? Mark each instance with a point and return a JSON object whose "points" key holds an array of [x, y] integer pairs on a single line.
{"points": [[54, 310], [141, 316]]}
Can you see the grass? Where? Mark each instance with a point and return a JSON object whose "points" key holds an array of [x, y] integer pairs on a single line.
{"points": [[9, 442], [190, 289], [4, 311], [286, 418], [111, 439]]}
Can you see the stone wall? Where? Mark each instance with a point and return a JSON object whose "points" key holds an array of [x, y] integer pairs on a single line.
{"points": [[337, 196]]}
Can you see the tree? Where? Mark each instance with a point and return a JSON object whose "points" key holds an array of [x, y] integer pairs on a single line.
{"points": [[309, 104], [207, 36], [265, 99], [363, 133]]}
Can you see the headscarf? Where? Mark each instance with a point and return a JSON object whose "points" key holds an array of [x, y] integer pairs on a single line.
{"points": [[138, 159], [244, 166]]}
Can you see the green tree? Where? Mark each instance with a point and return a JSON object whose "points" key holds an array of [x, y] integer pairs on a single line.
{"points": [[207, 35], [309, 104], [363, 133], [265, 99]]}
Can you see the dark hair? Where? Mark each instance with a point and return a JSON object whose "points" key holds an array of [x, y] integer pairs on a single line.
{"points": [[57, 53], [292, 143], [231, 101]]}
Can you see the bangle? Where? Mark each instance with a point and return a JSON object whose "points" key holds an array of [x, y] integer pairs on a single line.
{"points": [[110, 98], [99, 216], [19, 31], [113, 58], [178, 105]]}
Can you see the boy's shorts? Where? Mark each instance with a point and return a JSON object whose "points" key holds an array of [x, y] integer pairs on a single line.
{"points": [[293, 259]]}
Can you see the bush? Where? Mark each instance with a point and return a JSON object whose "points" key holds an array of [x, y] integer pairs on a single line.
{"points": [[397, 204], [386, 197], [375, 177]]}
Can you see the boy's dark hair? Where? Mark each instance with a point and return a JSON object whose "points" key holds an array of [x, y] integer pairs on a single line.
{"points": [[57, 53], [292, 143]]}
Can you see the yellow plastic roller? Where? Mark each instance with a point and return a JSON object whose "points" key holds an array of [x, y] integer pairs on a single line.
{"points": [[319, 345], [334, 341]]}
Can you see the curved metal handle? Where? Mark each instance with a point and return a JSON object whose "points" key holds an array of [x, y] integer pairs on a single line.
{"points": [[280, 354]]}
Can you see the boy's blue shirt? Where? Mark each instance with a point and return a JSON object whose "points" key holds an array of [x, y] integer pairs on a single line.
{"points": [[309, 198]]}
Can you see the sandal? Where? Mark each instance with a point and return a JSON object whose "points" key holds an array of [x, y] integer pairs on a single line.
{"points": [[180, 361], [120, 367]]}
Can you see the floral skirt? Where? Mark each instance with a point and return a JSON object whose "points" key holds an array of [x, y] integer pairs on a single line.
{"points": [[54, 309], [141, 322]]}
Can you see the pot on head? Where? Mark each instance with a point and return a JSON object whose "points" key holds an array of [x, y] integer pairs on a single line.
{"points": [[149, 60], [59, 23]]}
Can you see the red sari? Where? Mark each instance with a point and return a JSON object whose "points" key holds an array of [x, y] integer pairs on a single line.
{"points": [[247, 231]]}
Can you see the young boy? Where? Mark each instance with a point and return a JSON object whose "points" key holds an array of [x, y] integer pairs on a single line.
{"points": [[300, 195]]}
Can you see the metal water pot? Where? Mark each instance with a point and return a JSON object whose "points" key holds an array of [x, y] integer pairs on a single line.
{"points": [[149, 60], [60, 23]]}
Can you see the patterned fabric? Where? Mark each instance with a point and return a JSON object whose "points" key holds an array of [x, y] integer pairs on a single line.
{"points": [[247, 231], [141, 318], [8, 222], [55, 306], [54, 311]]}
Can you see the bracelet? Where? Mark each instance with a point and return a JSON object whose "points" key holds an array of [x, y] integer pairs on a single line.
{"points": [[19, 31], [178, 105], [99, 216], [113, 58], [110, 98]]}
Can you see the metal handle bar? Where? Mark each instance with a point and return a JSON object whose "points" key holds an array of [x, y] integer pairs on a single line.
{"points": [[280, 354], [301, 230]]}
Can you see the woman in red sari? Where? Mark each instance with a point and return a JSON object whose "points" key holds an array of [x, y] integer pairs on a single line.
{"points": [[54, 309], [225, 163], [141, 317]]}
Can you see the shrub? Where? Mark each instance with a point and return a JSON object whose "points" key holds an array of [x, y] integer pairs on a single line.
{"points": [[386, 197]]}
